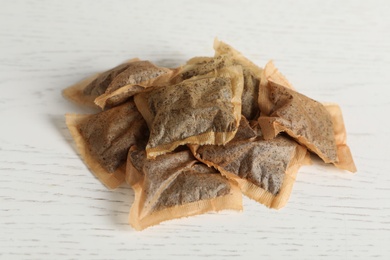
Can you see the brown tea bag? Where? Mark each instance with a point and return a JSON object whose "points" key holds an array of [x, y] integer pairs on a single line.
{"points": [[252, 75], [136, 78], [304, 119], [265, 170], [201, 110], [87, 90], [175, 185], [200, 66], [344, 154], [103, 140]]}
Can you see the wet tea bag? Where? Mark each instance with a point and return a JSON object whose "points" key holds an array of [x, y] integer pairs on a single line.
{"points": [[201, 110], [252, 74], [265, 170], [175, 185], [200, 66], [87, 90], [304, 119], [103, 140], [138, 76]]}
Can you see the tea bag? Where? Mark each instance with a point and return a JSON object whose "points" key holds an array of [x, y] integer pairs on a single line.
{"points": [[201, 110], [87, 90], [304, 119], [138, 76], [200, 66], [265, 170], [344, 154], [175, 185], [252, 75], [103, 140]]}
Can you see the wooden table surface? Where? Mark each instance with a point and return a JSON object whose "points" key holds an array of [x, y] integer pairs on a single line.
{"points": [[52, 207]]}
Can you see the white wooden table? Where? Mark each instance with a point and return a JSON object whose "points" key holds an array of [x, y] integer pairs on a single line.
{"points": [[52, 207]]}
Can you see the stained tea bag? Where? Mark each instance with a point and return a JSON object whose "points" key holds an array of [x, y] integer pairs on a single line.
{"points": [[198, 66], [175, 185], [201, 110], [103, 140], [265, 170], [138, 76], [87, 90], [304, 119], [252, 75]]}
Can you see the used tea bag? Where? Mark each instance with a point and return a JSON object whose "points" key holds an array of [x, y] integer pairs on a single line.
{"points": [[201, 110], [265, 170], [252, 75], [135, 78], [304, 119], [200, 66], [103, 140], [87, 90], [175, 185]]}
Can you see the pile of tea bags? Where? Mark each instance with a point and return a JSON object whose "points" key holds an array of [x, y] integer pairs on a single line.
{"points": [[193, 139]]}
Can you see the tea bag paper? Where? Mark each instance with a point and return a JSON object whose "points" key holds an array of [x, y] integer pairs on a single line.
{"points": [[175, 185], [201, 110], [103, 140]]}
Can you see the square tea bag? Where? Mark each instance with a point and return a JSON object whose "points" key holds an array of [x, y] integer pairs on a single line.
{"points": [[175, 185], [86, 91], [103, 140], [265, 170], [137, 77], [201, 110], [306, 120]]}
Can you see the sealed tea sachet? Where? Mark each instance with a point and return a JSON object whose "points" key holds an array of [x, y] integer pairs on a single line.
{"points": [[86, 91], [265, 170], [304, 119], [201, 110], [138, 76], [175, 185], [103, 140], [252, 74]]}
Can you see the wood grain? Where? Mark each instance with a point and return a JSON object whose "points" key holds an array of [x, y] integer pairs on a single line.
{"points": [[51, 206]]}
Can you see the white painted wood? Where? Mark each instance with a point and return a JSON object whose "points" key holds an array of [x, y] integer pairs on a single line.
{"points": [[51, 207]]}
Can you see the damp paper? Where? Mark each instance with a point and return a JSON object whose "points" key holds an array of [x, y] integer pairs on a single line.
{"points": [[265, 170], [306, 120], [201, 110], [86, 91], [175, 185], [103, 140]]}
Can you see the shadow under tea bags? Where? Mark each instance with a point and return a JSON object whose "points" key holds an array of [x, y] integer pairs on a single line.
{"points": [[175, 185], [103, 140], [201, 110]]}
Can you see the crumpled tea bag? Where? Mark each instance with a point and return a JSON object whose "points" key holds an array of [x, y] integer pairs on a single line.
{"points": [[103, 140], [304, 119], [252, 75], [137, 77], [86, 91], [265, 170], [175, 185], [201, 110]]}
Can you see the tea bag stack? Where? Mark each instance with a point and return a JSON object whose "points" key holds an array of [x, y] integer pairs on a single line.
{"points": [[193, 139]]}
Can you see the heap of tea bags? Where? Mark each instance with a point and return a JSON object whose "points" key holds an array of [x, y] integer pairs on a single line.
{"points": [[193, 139]]}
